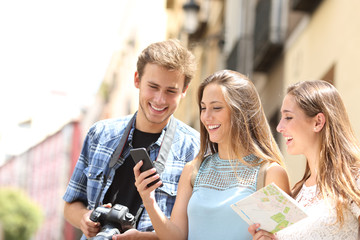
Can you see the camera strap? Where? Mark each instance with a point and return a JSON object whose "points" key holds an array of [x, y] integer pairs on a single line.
{"points": [[160, 162], [165, 147], [115, 156]]}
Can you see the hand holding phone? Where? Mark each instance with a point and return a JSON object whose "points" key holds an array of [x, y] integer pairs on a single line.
{"points": [[139, 154]]}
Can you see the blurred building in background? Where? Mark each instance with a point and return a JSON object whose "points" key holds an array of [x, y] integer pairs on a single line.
{"points": [[274, 42], [322, 43], [46, 160], [144, 23], [43, 171]]}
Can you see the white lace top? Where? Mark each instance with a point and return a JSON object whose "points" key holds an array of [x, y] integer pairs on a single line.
{"points": [[320, 223]]}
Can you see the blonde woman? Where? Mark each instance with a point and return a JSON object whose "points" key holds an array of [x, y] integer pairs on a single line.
{"points": [[315, 124], [235, 141]]}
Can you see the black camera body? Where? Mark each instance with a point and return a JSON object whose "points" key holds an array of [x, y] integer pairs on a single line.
{"points": [[113, 221]]}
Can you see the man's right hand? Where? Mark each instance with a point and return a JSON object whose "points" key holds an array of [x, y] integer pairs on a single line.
{"points": [[88, 227], [78, 215]]}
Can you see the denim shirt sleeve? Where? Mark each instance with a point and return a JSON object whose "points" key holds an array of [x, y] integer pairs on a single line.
{"points": [[77, 188], [88, 176]]}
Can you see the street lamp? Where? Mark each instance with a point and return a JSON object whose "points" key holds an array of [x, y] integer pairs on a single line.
{"points": [[191, 9]]}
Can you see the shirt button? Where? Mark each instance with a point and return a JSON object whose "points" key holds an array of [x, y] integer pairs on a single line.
{"points": [[89, 174]]}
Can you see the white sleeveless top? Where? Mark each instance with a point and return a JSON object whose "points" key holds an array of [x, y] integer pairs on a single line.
{"points": [[320, 223]]}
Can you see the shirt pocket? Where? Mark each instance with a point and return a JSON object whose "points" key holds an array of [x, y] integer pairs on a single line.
{"points": [[169, 189], [165, 197], [94, 182]]}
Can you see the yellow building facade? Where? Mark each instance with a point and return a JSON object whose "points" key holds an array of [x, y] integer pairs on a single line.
{"points": [[323, 45], [304, 40], [321, 41]]}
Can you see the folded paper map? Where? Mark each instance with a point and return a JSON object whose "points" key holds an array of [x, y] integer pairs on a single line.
{"points": [[271, 207]]}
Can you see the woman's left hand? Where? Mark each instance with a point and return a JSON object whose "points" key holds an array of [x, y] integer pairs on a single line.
{"points": [[259, 234]]}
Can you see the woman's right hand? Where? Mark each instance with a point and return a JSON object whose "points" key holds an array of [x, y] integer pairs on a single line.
{"points": [[259, 234], [141, 181]]}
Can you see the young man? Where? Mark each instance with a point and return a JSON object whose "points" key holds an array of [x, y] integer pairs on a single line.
{"points": [[164, 71]]}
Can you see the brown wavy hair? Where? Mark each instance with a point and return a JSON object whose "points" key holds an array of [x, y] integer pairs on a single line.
{"points": [[250, 131], [339, 164]]}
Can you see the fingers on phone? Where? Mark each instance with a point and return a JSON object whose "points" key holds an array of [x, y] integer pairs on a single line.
{"points": [[139, 164]]}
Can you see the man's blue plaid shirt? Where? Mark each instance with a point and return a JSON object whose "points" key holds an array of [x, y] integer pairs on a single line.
{"points": [[101, 141]]}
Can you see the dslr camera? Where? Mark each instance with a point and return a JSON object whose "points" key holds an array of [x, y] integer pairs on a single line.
{"points": [[113, 221]]}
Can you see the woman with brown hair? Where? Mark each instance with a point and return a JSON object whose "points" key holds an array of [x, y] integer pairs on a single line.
{"points": [[315, 124]]}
